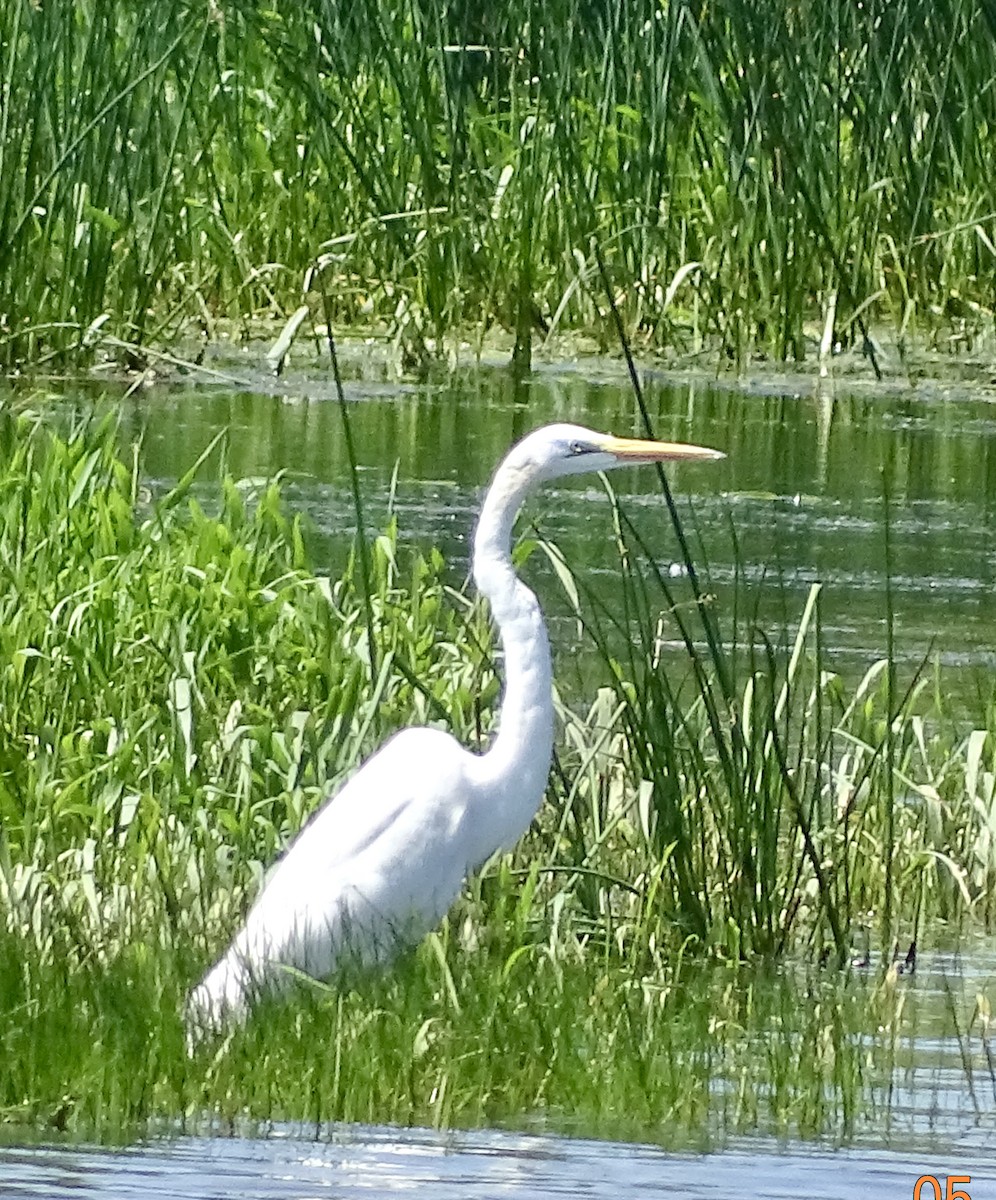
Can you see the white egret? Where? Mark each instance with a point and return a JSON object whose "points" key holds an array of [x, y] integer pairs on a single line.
{"points": [[383, 859]]}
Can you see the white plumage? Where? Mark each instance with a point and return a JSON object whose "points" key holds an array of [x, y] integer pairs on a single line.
{"points": [[384, 858]]}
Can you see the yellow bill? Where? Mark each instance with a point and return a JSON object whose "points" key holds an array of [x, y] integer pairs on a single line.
{"points": [[636, 451]]}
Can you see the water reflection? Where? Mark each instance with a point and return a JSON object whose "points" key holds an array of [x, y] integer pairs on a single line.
{"points": [[802, 491], [803, 487]]}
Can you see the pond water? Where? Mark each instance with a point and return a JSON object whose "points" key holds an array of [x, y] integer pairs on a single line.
{"points": [[802, 491], [375, 1162]]}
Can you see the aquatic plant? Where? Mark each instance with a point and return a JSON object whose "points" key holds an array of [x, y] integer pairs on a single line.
{"points": [[764, 179]]}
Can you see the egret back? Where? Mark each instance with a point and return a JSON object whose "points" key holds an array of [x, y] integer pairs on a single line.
{"points": [[376, 867]]}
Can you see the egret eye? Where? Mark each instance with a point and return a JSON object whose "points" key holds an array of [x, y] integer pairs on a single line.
{"points": [[579, 448]]}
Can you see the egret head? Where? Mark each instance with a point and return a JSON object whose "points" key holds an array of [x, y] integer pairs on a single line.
{"points": [[557, 450]]}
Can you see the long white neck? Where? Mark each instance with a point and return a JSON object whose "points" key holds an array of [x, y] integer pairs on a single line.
{"points": [[515, 769]]}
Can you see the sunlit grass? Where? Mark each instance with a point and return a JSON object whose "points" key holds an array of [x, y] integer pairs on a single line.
{"points": [[753, 174]]}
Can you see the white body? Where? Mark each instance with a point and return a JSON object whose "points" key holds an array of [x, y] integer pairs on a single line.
{"points": [[383, 859]]}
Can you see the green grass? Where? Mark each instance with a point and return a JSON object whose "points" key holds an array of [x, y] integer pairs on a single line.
{"points": [[751, 174], [458, 1033], [178, 691]]}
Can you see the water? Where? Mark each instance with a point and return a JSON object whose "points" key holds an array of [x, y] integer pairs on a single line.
{"points": [[803, 488], [373, 1162]]}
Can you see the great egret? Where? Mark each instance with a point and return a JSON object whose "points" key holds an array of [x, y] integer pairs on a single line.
{"points": [[384, 858]]}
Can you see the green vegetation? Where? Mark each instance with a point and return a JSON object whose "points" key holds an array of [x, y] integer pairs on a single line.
{"points": [[517, 1027], [178, 691], [754, 175]]}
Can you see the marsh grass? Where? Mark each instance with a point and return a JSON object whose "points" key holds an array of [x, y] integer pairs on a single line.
{"points": [[752, 802], [458, 1033], [179, 691], [753, 174]]}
